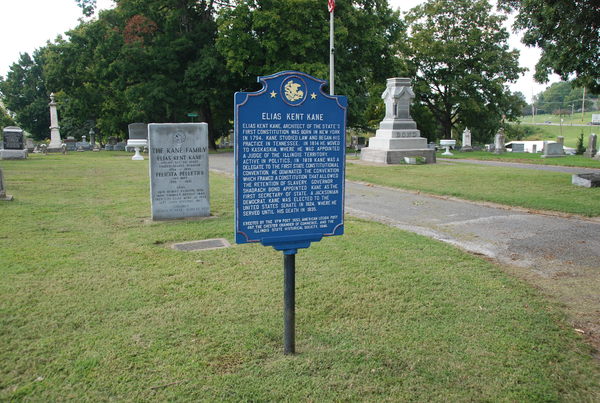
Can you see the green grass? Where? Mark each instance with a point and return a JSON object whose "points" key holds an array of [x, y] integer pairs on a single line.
{"points": [[576, 118], [527, 158], [94, 306], [511, 186], [570, 133]]}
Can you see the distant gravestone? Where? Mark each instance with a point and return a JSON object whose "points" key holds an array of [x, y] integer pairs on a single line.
{"points": [[397, 136], [499, 141], [13, 138], [70, 143], [3, 195], [138, 131], [13, 144], [29, 145], [120, 146], [466, 140], [553, 150], [179, 170], [591, 150], [518, 148], [560, 140]]}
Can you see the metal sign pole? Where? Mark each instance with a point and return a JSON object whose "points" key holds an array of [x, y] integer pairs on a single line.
{"points": [[289, 303]]}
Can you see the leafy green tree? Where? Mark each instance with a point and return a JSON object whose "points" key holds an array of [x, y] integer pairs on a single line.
{"points": [[460, 62], [567, 33], [262, 37], [5, 119], [149, 61], [24, 93]]}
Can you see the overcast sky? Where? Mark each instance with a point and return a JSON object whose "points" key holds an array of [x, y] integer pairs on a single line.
{"points": [[28, 24]]}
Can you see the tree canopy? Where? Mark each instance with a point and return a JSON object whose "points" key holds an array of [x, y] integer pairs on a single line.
{"points": [[460, 61], [568, 34], [159, 60]]}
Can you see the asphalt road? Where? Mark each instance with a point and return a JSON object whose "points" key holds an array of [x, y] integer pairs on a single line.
{"points": [[563, 253]]}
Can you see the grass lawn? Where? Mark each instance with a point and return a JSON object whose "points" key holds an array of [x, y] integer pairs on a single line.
{"points": [[570, 133], [95, 306], [527, 158], [532, 189]]}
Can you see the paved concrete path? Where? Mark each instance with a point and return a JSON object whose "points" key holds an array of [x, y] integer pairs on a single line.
{"points": [[537, 167], [549, 248]]}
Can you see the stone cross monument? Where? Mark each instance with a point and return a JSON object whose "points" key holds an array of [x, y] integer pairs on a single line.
{"points": [[466, 140], [55, 141], [397, 136]]}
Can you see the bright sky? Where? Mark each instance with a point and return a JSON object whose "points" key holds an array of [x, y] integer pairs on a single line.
{"points": [[27, 25]]}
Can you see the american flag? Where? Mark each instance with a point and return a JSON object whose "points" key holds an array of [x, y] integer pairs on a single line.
{"points": [[331, 5]]}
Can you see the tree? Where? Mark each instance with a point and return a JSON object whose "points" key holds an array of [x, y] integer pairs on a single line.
{"points": [[24, 93], [460, 63], [149, 61], [262, 37], [567, 33], [5, 119]]}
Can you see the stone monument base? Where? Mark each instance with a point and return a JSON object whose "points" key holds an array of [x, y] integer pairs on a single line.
{"points": [[54, 149], [396, 156], [13, 154]]}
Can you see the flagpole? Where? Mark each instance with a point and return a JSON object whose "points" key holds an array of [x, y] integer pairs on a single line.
{"points": [[331, 54]]}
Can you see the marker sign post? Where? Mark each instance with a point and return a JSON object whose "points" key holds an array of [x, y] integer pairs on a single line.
{"points": [[289, 168]]}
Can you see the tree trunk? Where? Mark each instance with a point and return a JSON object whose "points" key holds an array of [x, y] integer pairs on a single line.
{"points": [[207, 115]]}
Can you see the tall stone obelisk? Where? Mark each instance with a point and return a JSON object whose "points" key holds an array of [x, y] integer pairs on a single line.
{"points": [[398, 136], [55, 140]]}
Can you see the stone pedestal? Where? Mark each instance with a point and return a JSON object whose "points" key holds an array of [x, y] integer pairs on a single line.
{"points": [[137, 144], [55, 141], [397, 136], [447, 144]]}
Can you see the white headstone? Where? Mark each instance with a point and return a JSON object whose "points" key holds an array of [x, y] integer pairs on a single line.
{"points": [[179, 170], [466, 140]]}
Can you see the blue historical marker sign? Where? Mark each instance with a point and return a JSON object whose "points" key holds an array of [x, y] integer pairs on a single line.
{"points": [[289, 162]]}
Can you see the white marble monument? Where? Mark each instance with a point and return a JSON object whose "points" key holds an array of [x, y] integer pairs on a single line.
{"points": [[55, 141], [398, 136], [466, 140]]}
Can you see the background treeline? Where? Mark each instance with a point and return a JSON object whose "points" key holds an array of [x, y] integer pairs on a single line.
{"points": [[158, 60]]}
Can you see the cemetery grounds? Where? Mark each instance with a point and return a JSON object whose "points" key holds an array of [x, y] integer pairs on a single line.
{"points": [[96, 306]]}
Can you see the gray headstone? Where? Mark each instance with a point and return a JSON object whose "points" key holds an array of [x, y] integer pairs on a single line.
{"points": [[3, 195], [83, 146], [120, 146], [138, 131], [553, 150], [179, 170], [586, 180], [70, 143], [518, 148], [591, 149], [13, 138]]}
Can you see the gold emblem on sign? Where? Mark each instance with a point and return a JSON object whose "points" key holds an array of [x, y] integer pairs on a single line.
{"points": [[293, 91]]}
